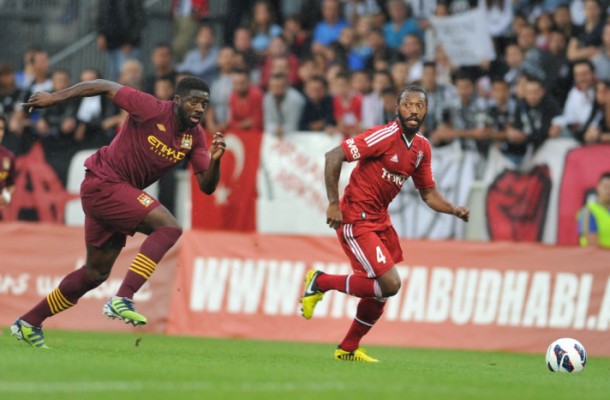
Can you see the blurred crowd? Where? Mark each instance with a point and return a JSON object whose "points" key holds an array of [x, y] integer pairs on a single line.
{"points": [[336, 66]]}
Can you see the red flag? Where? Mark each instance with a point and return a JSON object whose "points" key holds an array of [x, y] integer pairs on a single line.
{"points": [[233, 205]]}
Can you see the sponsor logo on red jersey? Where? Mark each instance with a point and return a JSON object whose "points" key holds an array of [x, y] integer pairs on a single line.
{"points": [[396, 179], [352, 148]]}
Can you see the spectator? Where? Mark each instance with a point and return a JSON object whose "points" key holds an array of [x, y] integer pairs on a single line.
{"points": [[329, 29], [594, 218], [220, 89], [282, 107], [25, 77], [563, 20], [354, 10], [297, 38], [586, 44], [459, 6], [164, 89], [97, 117], [185, 17], [318, 111], [9, 92], [202, 60], [361, 83], [132, 74], [57, 126], [537, 62], [380, 53], [347, 106], [308, 68], [388, 99], [440, 99], [120, 24], [601, 61], [372, 103], [400, 25], [412, 51], [499, 16], [501, 109], [279, 49], [531, 124], [578, 107], [162, 59], [242, 43], [544, 26], [245, 104], [264, 27], [597, 127], [347, 41], [467, 118], [513, 56], [400, 73]]}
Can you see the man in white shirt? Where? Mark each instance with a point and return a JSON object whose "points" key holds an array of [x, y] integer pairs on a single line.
{"points": [[282, 107], [579, 104]]}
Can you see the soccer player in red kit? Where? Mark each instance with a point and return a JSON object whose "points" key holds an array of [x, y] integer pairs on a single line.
{"points": [[7, 169], [156, 136], [388, 156]]}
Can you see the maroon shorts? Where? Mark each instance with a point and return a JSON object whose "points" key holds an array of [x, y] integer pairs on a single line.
{"points": [[372, 248], [112, 209]]}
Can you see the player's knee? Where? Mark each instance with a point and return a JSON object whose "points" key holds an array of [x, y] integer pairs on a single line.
{"points": [[97, 275], [391, 288]]}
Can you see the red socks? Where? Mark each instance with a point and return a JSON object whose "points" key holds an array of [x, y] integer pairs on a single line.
{"points": [[369, 311], [355, 285]]}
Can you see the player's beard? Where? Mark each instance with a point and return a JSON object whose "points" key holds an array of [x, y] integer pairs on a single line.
{"points": [[405, 128], [185, 118]]}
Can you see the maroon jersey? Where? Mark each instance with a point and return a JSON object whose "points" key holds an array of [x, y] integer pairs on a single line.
{"points": [[386, 161], [148, 143], [7, 168]]}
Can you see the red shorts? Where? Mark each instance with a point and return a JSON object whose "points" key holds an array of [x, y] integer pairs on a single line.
{"points": [[372, 248], [112, 209]]}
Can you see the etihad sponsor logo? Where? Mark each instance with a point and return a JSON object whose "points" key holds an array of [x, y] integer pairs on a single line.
{"points": [[351, 145], [163, 150], [161, 127], [187, 141], [462, 296], [396, 179], [145, 199]]}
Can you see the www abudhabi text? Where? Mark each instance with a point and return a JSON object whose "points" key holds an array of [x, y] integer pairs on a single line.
{"points": [[478, 296]]}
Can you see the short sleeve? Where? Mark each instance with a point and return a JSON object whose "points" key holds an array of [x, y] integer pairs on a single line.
{"points": [[422, 177], [199, 156], [141, 106], [371, 143]]}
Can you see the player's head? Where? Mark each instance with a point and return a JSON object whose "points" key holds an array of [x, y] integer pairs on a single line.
{"points": [[411, 108], [191, 100], [603, 188]]}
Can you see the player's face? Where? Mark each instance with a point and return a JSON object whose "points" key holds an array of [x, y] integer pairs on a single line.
{"points": [[411, 111], [603, 191], [192, 106]]}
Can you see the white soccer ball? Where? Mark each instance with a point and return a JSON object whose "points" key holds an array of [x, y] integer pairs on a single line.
{"points": [[566, 355]]}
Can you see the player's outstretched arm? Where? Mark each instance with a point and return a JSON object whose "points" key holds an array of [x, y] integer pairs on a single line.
{"points": [[435, 200], [332, 173], [208, 180], [82, 89]]}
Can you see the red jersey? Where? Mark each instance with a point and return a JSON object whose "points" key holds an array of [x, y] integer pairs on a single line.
{"points": [[386, 161], [7, 168], [350, 113], [241, 108], [148, 143]]}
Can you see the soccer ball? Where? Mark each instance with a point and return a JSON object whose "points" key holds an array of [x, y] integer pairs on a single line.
{"points": [[566, 355]]}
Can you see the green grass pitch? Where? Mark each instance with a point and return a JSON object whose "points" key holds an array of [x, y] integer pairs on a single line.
{"points": [[89, 366]]}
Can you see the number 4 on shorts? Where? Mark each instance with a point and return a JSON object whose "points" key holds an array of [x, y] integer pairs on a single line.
{"points": [[380, 256]]}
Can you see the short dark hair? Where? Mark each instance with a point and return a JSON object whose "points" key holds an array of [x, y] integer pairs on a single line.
{"points": [[191, 83], [605, 175], [410, 89], [320, 79], [585, 61]]}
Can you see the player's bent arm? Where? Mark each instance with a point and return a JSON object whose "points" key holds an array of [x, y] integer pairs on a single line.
{"points": [[82, 89], [435, 200], [208, 180], [332, 173]]}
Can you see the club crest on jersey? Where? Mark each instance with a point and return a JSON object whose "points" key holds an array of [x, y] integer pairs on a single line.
{"points": [[145, 199], [6, 162], [161, 127], [187, 141], [420, 156]]}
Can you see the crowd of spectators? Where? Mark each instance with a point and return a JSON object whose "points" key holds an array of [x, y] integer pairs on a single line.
{"points": [[338, 70]]}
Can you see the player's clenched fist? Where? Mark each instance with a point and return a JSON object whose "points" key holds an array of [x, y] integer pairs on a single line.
{"points": [[334, 216], [218, 146]]}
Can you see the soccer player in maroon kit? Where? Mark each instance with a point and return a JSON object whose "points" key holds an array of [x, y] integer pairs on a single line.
{"points": [[7, 169], [388, 156], [156, 136]]}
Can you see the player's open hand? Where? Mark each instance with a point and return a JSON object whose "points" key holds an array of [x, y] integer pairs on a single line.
{"points": [[218, 146], [39, 100], [334, 216], [462, 213]]}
